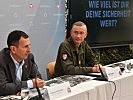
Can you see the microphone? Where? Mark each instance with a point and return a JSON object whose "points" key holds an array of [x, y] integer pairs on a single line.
{"points": [[103, 77], [39, 93]]}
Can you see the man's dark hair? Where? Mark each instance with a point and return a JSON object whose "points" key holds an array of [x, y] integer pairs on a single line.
{"points": [[14, 37]]}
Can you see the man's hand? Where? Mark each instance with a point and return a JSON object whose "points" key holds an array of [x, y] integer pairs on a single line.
{"points": [[40, 82], [97, 68]]}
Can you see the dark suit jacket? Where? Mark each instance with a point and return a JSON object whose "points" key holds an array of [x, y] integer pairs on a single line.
{"points": [[7, 73]]}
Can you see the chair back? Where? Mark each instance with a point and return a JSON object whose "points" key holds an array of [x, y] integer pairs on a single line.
{"points": [[51, 66]]}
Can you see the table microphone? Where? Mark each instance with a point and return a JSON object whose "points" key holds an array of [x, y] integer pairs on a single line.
{"points": [[102, 78], [39, 93]]}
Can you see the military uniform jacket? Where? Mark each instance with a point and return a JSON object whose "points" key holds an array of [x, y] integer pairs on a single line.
{"points": [[7, 73], [71, 60]]}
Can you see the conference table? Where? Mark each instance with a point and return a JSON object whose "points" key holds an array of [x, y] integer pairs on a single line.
{"points": [[121, 87], [103, 90]]}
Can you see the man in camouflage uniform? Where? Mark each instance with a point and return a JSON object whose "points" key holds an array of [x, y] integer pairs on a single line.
{"points": [[74, 54]]}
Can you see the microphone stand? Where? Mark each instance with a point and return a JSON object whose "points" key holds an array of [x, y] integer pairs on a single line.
{"points": [[39, 93], [102, 78]]}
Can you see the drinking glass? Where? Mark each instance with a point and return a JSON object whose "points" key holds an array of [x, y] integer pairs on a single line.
{"points": [[25, 93], [128, 66]]}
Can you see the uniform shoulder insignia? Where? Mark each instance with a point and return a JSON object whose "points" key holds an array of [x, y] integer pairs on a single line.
{"points": [[64, 56]]}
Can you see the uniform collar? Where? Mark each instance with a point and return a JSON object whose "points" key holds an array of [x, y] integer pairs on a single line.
{"points": [[74, 48]]}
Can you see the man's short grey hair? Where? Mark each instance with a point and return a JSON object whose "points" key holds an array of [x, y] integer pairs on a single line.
{"points": [[79, 23]]}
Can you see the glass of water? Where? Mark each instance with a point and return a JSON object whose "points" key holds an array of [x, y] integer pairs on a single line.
{"points": [[128, 66], [25, 93]]}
